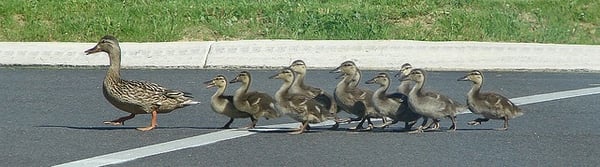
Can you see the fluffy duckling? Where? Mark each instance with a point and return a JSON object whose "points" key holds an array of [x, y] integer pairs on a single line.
{"points": [[490, 105], [393, 105], [299, 87], [135, 97], [223, 104], [299, 107], [351, 98], [404, 86], [430, 104], [257, 104]]}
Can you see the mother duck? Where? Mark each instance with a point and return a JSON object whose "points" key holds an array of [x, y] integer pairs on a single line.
{"points": [[135, 97]]}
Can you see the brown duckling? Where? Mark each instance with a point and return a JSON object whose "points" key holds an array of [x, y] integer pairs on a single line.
{"points": [[135, 97], [351, 98], [299, 107], [394, 106], [488, 104], [404, 86], [223, 104], [257, 104], [299, 87], [430, 104]]}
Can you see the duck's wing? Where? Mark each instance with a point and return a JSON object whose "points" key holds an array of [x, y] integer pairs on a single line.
{"points": [[227, 97], [265, 102], [399, 97], [443, 103], [357, 93], [497, 102], [142, 92], [306, 105], [312, 91]]}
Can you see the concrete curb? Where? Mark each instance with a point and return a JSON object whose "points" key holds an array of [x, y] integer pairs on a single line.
{"points": [[372, 54]]}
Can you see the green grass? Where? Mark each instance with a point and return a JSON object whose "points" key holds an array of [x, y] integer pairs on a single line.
{"points": [[542, 21]]}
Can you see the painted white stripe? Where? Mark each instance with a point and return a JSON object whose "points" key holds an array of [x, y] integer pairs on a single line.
{"points": [[555, 96], [205, 139], [128, 155]]}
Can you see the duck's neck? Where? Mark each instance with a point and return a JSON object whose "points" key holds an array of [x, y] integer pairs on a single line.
{"points": [[474, 92], [114, 70], [219, 92], [417, 90], [404, 87], [283, 91], [380, 92], [355, 78], [299, 80], [242, 90], [298, 84]]}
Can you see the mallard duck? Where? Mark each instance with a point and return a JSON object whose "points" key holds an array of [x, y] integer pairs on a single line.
{"points": [[430, 104], [299, 87], [135, 97], [351, 98], [223, 104], [299, 107], [394, 106], [490, 105], [257, 104]]}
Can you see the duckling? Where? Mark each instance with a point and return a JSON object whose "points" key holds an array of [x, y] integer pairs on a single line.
{"points": [[257, 104], [322, 97], [223, 104], [430, 104], [404, 86], [351, 98], [299, 107], [394, 105], [135, 97], [490, 105]]}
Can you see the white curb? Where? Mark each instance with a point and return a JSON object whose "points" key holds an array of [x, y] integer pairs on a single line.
{"points": [[370, 54]]}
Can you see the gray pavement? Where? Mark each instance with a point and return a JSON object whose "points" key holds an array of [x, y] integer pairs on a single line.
{"points": [[54, 115]]}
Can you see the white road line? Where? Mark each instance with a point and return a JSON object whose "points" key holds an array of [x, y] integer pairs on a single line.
{"points": [[555, 96], [205, 139], [128, 155]]}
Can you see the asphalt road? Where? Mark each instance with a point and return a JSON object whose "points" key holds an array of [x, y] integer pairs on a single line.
{"points": [[52, 116]]}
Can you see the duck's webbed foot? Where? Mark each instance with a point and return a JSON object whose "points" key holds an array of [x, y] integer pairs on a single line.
{"points": [[153, 123], [301, 129], [335, 126], [228, 124], [146, 128], [435, 125], [348, 120], [417, 131], [387, 124], [409, 125], [478, 121], [119, 121], [501, 129], [505, 127], [252, 124]]}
